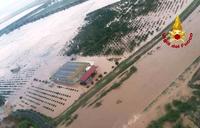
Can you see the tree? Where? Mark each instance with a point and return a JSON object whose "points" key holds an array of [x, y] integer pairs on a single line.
{"points": [[2, 100], [117, 63]]}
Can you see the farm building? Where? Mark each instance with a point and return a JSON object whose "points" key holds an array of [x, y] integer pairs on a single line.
{"points": [[70, 73], [90, 72]]}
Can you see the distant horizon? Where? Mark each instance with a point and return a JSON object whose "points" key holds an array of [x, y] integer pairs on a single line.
{"points": [[9, 7]]}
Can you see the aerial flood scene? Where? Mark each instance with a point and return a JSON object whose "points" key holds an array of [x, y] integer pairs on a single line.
{"points": [[99, 64]]}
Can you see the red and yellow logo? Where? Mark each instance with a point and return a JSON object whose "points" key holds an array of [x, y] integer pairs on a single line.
{"points": [[177, 36]]}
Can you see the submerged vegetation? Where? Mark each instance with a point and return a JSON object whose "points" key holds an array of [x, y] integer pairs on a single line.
{"points": [[175, 111], [71, 119], [182, 110], [2, 100], [105, 27], [29, 118], [26, 124]]}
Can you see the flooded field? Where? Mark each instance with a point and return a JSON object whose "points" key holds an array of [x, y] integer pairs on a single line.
{"points": [[155, 73]]}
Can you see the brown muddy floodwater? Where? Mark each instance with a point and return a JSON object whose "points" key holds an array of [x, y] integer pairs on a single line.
{"points": [[155, 73]]}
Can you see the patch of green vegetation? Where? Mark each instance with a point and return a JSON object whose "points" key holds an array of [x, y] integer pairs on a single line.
{"points": [[2, 100], [168, 107], [107, 25], [115, 85], [35, 118], [71, 119], [122, 74], [132, 70], [178, 125], [173, 114], [196, 93], [155, 124], [195, 78], [183, 106], [98, 104], [174, 111], [176, 108], [27, 124]]}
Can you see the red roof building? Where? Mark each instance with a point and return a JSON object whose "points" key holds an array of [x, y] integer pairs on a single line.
{"points": [[88, 74]]}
